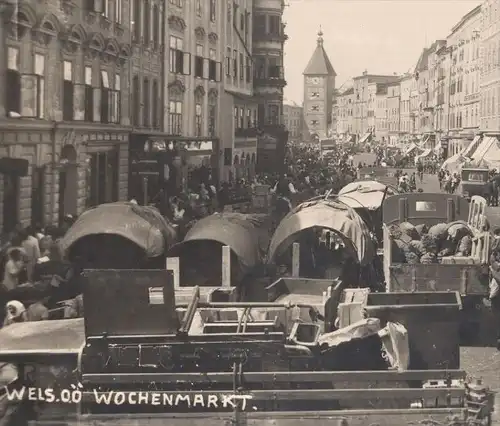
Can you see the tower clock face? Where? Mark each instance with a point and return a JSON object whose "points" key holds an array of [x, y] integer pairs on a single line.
{"points": [[313, 80]]}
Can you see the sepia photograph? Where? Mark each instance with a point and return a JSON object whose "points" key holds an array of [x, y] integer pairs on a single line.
{"points": [[249, 212]]}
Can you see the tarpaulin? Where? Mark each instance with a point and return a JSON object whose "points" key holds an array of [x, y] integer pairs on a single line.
{"points": [[142, 225], [246, 234], [331, 214], [365, 194]]}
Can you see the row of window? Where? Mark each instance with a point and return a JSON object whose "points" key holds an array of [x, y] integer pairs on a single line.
{"points": [[150, 102], [200, 8], [238, 66], [244, 119], [111, 9], [267, 24], [182, 62], [175, 118], [146, 23], [244, 19], [89, 100]]}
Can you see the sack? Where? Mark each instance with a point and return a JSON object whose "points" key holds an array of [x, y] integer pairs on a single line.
{"points": [[494, 288], [438, 231], [396, 345]]}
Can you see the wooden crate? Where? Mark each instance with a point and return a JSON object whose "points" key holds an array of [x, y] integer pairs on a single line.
{"points": [[350, 308]]}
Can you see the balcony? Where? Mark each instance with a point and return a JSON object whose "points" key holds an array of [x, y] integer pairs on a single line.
{"points": [[280, 37], [249, 132], [270, 76]]}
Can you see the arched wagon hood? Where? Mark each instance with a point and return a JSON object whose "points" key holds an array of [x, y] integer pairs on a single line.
{"points": [[142, 225], [247, 235], [368, 194], [330, 214]]}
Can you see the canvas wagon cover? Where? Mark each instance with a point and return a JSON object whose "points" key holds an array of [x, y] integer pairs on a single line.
{"points": [[142, 225], [365, 194], [248, 235], [328, 214], [55, 337]]}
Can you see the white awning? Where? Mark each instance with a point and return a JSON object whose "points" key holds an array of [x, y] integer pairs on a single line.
{"points": [[424, 154], [365, 137], [488, 153], [472, 147]]}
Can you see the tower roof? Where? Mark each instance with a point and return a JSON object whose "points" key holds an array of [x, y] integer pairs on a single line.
{"points": [[319, 64]]}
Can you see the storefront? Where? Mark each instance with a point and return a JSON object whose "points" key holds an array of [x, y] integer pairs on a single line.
{"points": [[244, 158], [271, 147], [24, 151], [90, 168], [169, 164]]}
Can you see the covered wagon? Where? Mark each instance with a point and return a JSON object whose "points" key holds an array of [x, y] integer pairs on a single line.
{"points": [[119, 235], [334, 242]]}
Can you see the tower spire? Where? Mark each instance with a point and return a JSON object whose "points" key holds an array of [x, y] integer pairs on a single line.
{"points": [[320, 37]]}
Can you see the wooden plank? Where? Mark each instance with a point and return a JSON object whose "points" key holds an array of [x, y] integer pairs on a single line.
{"points": [[296, 418], [277, 376], [309, 394]]}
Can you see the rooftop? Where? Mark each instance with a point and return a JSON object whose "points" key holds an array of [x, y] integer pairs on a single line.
{"points": [[319, 64]]}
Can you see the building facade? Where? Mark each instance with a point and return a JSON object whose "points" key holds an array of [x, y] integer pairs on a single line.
{"points": [[490, 68], [393, 113], [464, 64], [239, 135], [64, 105], [365, 87], [292, 119], [319, 87], [379, 112], [345, 107], [176, 81], [405, 85], [269, 39]]}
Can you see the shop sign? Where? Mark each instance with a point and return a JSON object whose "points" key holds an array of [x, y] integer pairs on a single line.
{"points": [[145, 167]]}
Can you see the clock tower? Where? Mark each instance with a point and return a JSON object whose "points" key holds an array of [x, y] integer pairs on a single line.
{"points": [[319, 89]]}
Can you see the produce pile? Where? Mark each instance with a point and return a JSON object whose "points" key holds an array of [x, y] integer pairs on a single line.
{"points": [[419, 244]]}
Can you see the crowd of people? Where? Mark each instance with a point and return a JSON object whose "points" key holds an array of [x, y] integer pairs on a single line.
{"points": [[33, 269]]}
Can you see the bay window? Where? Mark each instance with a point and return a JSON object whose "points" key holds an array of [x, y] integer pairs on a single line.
{"points": [[175, 117], [13, 83], [198, 120]]}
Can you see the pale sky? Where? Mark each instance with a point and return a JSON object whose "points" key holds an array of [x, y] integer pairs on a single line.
{"points": [[381, 36]]}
